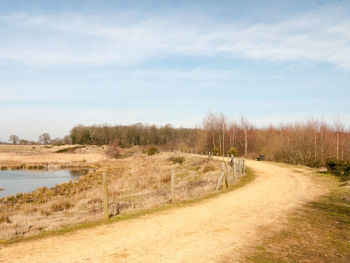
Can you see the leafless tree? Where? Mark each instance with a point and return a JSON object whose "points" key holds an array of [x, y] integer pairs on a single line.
{"points": [[44, 138], [245, 126], [14, 139]]}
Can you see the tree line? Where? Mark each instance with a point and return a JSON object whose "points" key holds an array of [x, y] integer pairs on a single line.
{"points": [[136, 134], [44, 138], [309, 143]]}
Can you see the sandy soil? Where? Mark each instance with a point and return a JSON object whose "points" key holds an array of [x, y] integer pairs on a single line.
{"points": [[22, 154], [50, 158], [203, 232]]}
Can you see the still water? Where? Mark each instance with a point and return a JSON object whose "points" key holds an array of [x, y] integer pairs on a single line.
{"points": [[22, 181]]}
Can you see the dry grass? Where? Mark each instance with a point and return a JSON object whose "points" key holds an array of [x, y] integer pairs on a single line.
{"points": [[319, 232], [135, 183], [34, 155]]}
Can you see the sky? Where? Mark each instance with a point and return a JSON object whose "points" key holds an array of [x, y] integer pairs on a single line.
{"points": [[64, 63]]}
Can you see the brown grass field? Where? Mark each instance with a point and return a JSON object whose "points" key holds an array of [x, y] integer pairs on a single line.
{"points": [[135, 182]]}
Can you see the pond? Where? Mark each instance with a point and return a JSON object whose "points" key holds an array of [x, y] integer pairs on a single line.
{"points": [[22, 181]]}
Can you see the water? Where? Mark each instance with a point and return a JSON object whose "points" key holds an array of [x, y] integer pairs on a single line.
{"points": [[22, 181]]}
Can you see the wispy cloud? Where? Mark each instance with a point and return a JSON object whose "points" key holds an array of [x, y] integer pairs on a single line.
{"points": [[94, 41]]}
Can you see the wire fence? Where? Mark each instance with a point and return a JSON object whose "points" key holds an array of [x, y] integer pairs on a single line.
{"points": [[103, 194]]}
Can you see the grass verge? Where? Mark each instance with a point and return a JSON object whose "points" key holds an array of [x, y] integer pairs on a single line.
{"points": [[248, 178], [318, 232]]}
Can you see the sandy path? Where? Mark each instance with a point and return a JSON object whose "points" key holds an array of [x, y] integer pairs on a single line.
{"points": [[198, 233]]}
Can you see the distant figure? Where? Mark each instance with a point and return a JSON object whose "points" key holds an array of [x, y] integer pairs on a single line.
{"points": [[260, 157]]}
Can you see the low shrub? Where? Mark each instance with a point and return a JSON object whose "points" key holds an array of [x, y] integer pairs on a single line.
{"points": [[60, 205], [113, 152], [215, 150], [69, 149], [208, 168], [5, 219], [178, 159], [152, 151], [233, 151], [45, 212], [339, 168]]}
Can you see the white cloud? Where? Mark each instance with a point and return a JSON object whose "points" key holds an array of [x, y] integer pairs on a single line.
{"points": [[85, 40]]}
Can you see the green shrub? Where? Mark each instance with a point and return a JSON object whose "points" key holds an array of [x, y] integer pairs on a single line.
{"points": [[69, 149], [178, 159], [152, 151], [215, 150], [233, 151], [339, 168]]}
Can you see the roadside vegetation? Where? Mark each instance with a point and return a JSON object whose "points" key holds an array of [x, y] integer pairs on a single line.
{"points": [[135, 183], [340, 169], [317, 232]]}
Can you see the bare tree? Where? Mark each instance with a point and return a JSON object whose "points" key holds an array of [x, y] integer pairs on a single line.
{"points": [[245, 126], [339, 128], [44, 138], [14, 139], [23, 142]]}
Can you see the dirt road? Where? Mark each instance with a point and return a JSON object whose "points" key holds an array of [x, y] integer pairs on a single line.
{"points": [[203, 232]]}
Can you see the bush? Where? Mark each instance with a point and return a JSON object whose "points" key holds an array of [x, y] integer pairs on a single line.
{"points": [[339, 168], [233, 151], [215, 150], [60, 205], [152, 151], [113, 152], [69, 149], [179, 159]]}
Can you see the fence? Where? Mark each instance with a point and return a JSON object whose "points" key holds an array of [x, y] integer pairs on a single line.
{"points": [[103, 194], [231, 167]]}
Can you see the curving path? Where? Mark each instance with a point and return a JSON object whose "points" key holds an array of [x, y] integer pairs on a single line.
{"points": [[203, 232]]}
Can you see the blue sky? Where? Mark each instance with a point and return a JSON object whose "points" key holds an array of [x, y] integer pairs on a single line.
{"points": [[122, 62]]}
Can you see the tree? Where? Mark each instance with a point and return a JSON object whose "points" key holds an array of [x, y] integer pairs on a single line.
{"points": [[14, 139], [23, 142], [245, 125], [67, 140], [44, 138]]}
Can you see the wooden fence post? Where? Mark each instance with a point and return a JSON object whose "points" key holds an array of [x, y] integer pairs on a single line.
{"points": [[105, 195], [227, 167], [172, 185], [234, 169], [243, 166], [224, 178]]}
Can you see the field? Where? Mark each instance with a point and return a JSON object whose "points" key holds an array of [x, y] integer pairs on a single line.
{"points": [[27, 155], [136, 182], [284, 213]]}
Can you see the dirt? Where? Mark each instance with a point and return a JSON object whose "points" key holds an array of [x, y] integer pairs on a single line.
{"points": [[202, 232]]}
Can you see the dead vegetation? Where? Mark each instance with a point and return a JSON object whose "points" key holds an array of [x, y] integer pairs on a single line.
{"points": [[318, 232], [135, 183]]}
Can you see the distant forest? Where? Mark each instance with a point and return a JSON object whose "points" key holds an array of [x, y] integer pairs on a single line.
{"points": [[310, 143], [137, 134]]}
